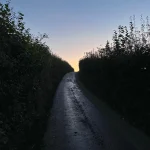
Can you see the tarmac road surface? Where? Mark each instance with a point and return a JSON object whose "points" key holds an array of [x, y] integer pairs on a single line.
{"points": [[77, 124]]}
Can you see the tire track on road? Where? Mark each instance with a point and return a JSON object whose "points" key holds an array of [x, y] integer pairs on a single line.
{"points": [[86, 121]]}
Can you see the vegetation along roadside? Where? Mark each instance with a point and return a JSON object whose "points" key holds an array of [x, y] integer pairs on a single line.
{"points": [[119, 73], [29, 76]]}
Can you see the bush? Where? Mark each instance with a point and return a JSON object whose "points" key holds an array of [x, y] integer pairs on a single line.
{"points": [[29, 76], [120, 74]]}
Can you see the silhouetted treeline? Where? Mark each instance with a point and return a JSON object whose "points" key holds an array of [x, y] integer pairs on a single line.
{"points": [[120, 73], [29, 76]]}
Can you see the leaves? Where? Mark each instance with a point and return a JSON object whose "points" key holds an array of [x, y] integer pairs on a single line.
{"points": [[26, 67], [119, 74]]}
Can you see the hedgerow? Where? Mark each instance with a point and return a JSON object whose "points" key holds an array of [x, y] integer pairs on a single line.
{"points": [[29, 76]]}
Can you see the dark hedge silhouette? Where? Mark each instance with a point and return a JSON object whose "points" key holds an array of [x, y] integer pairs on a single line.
{"points": [[29, 76], [120, 74]]}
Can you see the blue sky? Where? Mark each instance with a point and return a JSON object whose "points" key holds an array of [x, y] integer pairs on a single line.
{"points": [[78, 26]]}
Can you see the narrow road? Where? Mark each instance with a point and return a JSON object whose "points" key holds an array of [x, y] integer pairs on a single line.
{"points": [[76, 124]]}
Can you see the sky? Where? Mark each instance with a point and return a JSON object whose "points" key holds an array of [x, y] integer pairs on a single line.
{"points": [[78, 26]]}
